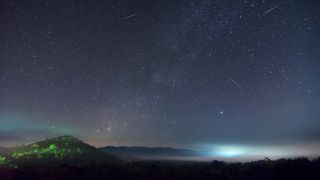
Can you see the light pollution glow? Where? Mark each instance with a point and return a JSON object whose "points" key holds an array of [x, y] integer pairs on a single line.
{"points": [[251, 152]]}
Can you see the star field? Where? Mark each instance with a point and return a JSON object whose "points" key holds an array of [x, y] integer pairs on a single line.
{"points": [[161, 73]]}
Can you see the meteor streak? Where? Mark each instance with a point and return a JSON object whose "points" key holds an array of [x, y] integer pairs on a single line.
{"points": [[270, 10], [132, 15], [235, 83]]}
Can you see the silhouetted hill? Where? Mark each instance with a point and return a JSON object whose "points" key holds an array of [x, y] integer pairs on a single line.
{"points": [[300, 168], [55, 151], [138, 152]]}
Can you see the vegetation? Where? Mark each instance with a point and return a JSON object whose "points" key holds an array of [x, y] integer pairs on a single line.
{"points": [[300, 168], [2, 160], [54, 151], [49, 151], [68, 158]]}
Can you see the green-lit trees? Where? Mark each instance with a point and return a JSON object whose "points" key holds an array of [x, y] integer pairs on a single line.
{"points": [[2, 160]]}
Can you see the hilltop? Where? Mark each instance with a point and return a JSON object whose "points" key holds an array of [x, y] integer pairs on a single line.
{"points": [[55, 151]]}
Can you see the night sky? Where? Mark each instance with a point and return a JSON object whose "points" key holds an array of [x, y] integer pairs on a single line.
{"points": [[198, 74]]}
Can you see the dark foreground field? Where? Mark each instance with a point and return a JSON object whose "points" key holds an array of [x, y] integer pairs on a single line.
{"points": [[300, 168]]}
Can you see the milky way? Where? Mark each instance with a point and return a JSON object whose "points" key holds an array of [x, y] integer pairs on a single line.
{"points": [[189, 73]]}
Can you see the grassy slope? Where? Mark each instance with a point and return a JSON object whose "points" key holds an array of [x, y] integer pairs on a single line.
{"points": [[55, 151]]}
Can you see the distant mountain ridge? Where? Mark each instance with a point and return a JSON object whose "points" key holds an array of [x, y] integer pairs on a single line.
{"points": [[55, 151], [140, 152]]}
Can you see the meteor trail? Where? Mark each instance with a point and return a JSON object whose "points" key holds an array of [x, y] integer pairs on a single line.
{"points": [[270, 10], [235, 83], [132, 15]]}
